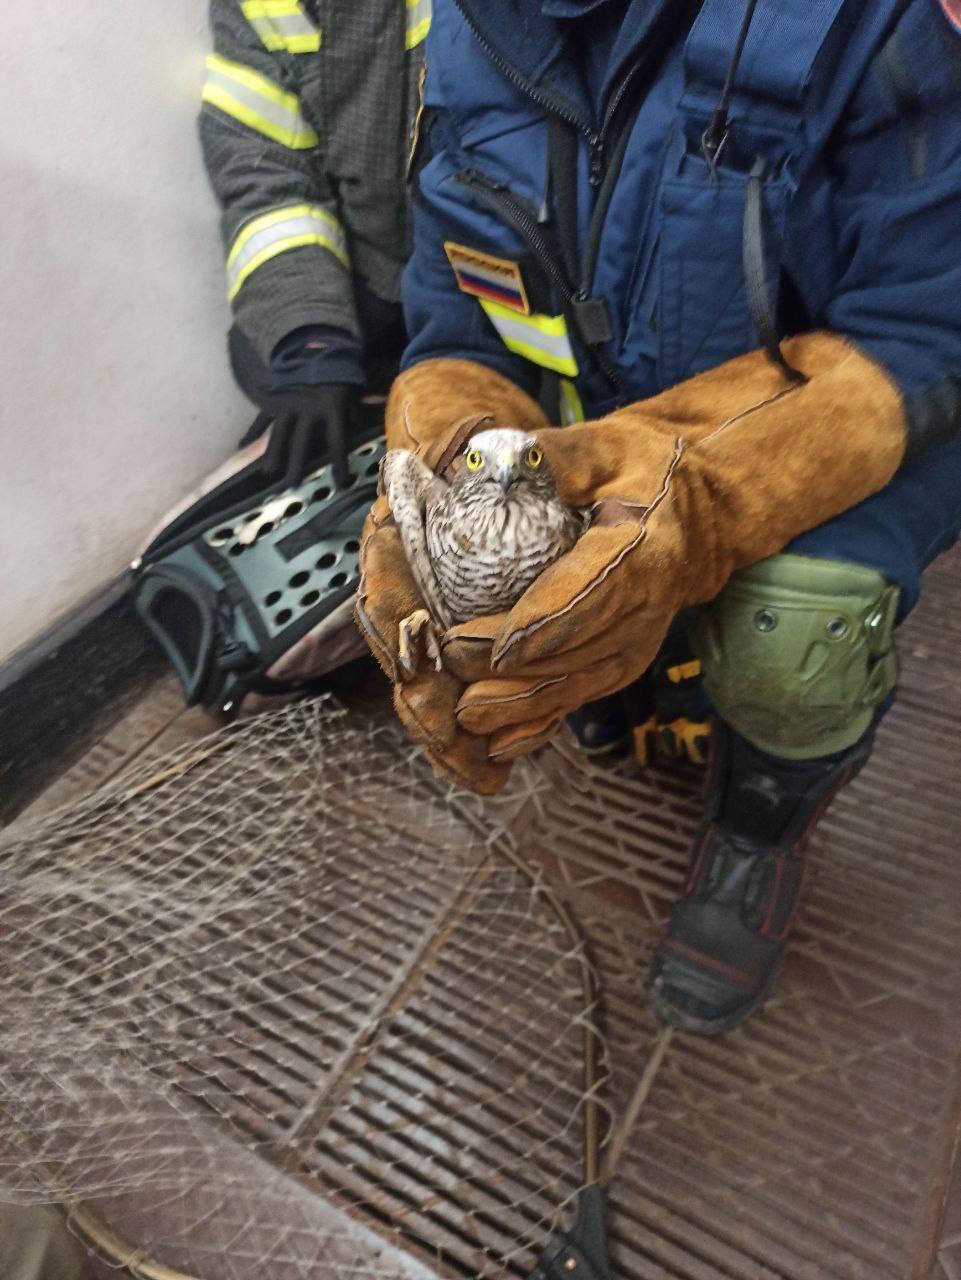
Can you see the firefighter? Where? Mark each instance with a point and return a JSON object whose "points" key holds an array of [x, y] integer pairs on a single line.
{"points": [[307, 110], [731, 230]]}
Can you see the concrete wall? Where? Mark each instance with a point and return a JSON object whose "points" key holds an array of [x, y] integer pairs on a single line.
{"points": [[114, 389]]}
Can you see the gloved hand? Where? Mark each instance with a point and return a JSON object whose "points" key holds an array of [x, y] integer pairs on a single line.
{"points": [[308, 395], [426, 701], [715, 474], [433, 409], [307, 421]]}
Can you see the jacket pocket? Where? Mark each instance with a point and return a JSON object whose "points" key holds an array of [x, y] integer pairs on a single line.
{"points": [[702, 306], [512, 151]]}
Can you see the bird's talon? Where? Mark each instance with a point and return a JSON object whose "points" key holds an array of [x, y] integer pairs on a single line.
{"points": [[417, 636], [432, 646]]}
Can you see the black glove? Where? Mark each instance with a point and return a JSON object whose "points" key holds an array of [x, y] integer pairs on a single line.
{"points": [[308, 396], [305, 420]]}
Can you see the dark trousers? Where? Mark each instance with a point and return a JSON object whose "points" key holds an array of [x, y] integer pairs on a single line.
{"points": [[900, 530]]}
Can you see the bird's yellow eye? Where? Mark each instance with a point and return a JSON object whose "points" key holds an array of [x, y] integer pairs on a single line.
{"points": [[475, 460], [534, 456]]}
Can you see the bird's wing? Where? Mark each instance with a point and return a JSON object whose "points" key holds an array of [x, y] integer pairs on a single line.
{"points": [[410, 486]]}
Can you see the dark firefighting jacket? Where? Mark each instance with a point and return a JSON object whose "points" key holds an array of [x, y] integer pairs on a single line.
{"points": [[307, 110]]}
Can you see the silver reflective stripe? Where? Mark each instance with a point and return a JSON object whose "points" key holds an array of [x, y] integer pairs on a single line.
{"points": [[282, 24], [571, 408], [273, 233], [418, 21], [254, 100], [542, 339]]}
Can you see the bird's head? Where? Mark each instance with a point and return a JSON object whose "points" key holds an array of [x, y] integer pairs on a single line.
{"points": [[505, 457]]}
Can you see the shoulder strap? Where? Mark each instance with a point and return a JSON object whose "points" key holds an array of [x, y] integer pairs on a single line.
{"points": [[780, 47], [754, 253]]}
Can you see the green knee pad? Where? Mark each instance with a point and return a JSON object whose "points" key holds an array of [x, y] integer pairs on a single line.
{"points": [[798, 653]]}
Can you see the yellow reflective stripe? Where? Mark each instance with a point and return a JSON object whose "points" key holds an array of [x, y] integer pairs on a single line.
{"points": [[257, 102], [306, 42], [684, 671], [273, 233], [572, 410], [282, 24], [418, 21], [542, 339]]}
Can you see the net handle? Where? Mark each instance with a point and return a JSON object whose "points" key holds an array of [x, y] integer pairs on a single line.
{"points": [[91, 1231], [592, 1046]]}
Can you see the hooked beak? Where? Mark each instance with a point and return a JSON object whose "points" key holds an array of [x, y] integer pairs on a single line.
{"points": [[506, 472]]}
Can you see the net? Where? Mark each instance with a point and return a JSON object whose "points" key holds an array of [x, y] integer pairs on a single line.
{"points": [[282, 1004]]}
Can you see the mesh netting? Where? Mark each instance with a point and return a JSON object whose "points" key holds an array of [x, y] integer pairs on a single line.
{"points": [[281, 1004]]}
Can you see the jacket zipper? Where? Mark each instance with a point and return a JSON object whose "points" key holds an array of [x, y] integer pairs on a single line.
{"points": [[500, 200], [597, 139], [599, 154], [606, 183], [543, 98]]}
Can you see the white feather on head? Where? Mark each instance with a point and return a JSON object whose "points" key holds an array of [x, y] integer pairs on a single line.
{"points": [[504, 456], [496, 441]]}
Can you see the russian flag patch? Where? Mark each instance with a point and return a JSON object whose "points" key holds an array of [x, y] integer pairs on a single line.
{"points": [[483, 275], [952, 11]]}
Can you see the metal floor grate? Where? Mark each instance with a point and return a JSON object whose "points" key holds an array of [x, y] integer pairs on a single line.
{"points": [[816, 1143], [281, 1006]]}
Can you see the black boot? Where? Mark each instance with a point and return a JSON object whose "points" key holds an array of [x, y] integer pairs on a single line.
{"points": [[723, 948], [603, 727]]}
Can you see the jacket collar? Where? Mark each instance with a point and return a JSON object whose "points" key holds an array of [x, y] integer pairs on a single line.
{"points": [[530, 36], [519, 34]]}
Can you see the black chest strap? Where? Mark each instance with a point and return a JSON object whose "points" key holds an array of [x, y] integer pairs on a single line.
{"points": [[754, 256]]}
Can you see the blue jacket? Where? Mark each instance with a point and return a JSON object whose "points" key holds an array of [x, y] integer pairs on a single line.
{"points": [[591, 214]]}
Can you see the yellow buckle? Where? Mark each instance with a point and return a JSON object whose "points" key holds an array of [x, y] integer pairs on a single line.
{"points": [[676, 739], [684, 671], [691, 737]]}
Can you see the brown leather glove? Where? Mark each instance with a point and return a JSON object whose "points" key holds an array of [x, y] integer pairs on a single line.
{"points": [[713, 475], [433, 408]]}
